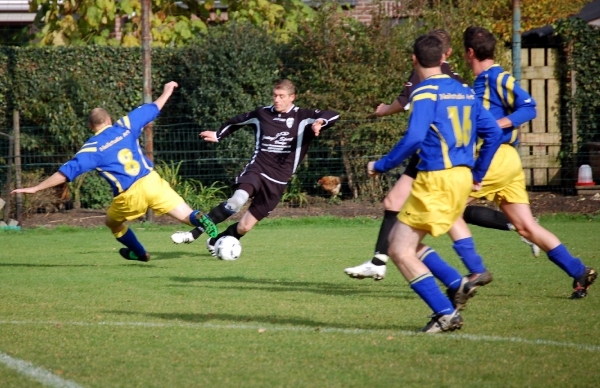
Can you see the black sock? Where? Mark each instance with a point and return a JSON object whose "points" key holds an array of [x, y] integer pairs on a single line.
{"points": [[230, 231], [389, 220], [220, 213], [197, 232], [486, 218]]}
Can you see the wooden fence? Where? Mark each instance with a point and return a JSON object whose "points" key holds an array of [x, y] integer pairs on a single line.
{"points": [[540, 138]]}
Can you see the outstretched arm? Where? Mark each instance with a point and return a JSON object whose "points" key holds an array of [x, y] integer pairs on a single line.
{"points": [[167, 91], [323, 118], [230, 126], [316, 126], [387, 110], [56, 179], [209, 136]]}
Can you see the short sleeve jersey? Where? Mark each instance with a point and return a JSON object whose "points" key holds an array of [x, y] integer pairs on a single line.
{"points": [[114, 151]]}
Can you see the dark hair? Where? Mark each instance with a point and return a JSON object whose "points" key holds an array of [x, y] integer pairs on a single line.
{"points": [[481, 41], [285, 84], [444, 36], [429, 50], [97, 117]]}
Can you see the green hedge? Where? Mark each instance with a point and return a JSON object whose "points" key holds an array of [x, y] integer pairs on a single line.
{"points": [[336, 64], [580, 54], [55, 88], [226, 72], [223, 74], [5, 89]]}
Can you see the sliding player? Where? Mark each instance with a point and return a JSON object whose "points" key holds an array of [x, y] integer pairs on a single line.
{"points": [[114, 151]]}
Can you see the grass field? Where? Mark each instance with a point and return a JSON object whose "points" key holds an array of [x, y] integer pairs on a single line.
{"points": [[74, 314]]}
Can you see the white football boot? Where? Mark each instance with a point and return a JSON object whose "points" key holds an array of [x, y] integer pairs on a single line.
{"points": [[535, 250], [367, 270], [182, 238], [211, 248]]}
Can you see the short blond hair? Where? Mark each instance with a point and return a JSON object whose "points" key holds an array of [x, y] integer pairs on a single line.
{"points": [[444, 36], [97, 117], [286, 85]]}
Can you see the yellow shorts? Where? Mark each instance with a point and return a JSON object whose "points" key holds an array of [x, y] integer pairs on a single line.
{"points": [[505, 179], [151, 192], [437, 199]]}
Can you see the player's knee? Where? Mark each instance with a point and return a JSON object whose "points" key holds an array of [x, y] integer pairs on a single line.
{"points": [[112, 224], [235, 203], [392, 203], [526, 229], [244, 227]]}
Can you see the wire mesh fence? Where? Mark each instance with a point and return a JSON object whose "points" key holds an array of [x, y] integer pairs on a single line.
{"points": [[550, 149], [180, 145]]}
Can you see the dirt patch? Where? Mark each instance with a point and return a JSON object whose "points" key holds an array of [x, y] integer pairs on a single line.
{"points": [[541, 203]]}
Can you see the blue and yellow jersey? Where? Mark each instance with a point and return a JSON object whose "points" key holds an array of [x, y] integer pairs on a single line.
{"points": [[445, 121], [503, 97], [114, 151]]}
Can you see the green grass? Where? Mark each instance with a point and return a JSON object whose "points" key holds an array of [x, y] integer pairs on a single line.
{"points": [[285, 315]]}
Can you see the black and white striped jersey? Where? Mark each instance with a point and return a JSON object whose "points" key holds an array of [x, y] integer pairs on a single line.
{"points": [[282, 138]]}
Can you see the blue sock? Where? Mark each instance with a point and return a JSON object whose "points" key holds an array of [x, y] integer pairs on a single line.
{"points": [[440, 269], [426, 287], [571, 265], [465, 248], [194, 219], [127, 238]]}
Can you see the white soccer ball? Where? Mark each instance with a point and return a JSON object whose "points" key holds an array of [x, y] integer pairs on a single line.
{"points": [[228, 248]]}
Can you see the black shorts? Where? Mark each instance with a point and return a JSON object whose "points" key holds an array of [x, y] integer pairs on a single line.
{"points": [[411, 169], [267, 194]]}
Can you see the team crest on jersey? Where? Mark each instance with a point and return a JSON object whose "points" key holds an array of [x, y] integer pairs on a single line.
{"points": [[289, 122]]}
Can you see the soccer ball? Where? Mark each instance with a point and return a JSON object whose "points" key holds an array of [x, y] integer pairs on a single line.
{"points": [[228, 248]]}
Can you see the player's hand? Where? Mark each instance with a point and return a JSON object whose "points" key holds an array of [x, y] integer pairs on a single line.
{"points": [[477, 186], [381, 110], [25, 190], [504, 122], [371, 169], [210, 136], [169, 87], [316, 126]]}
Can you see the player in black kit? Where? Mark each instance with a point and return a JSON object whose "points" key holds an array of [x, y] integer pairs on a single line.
{"points": [[283, 134]]}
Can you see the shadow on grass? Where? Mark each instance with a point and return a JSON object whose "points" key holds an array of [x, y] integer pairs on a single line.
{"points": [[45, 265], [173, 255], [276, 285], [262, 319]]}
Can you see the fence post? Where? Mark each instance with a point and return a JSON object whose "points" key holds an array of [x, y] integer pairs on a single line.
{"points": [[516, 43], [574, 121], [17, 145], [147, 75], [8, 176]]}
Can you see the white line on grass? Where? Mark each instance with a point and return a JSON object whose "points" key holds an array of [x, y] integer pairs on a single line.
{"points": [[41, 375], [405, 333]]}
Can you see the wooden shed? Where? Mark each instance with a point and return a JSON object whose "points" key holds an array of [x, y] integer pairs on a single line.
{"points": [[541, 139]]}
